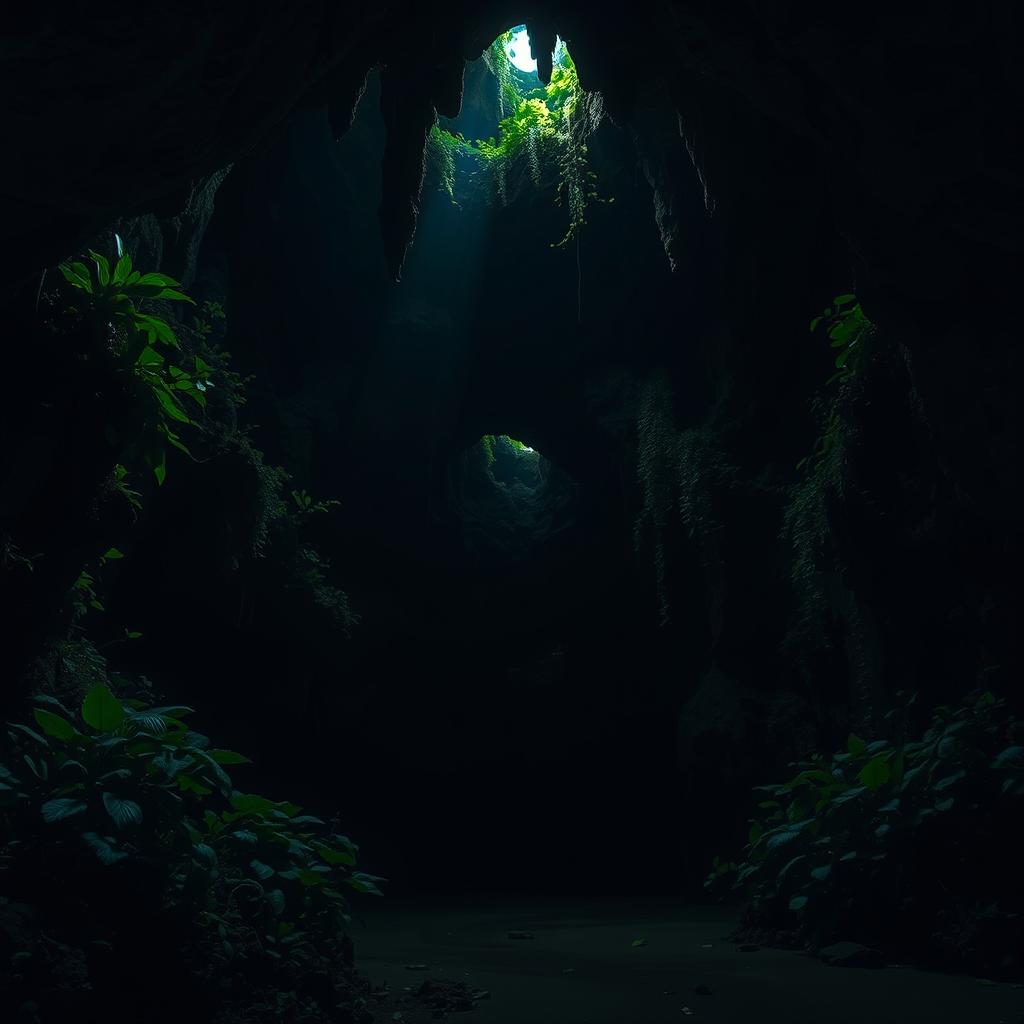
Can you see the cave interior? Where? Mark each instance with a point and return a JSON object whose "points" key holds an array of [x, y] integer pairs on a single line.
{"points": [[520, 429]]}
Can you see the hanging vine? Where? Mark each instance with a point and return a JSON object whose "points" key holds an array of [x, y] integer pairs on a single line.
{"points": [[543, 129], [677, 471]]}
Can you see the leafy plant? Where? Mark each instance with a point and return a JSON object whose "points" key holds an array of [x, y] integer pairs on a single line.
{"points": [[132, 791], [306, 505], [849, 332], [847, 329], [112, 297], [119, 483], [678, 472], [873, 827]]}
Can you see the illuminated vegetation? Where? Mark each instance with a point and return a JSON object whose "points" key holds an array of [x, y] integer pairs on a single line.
{"points": [[544, 128]]}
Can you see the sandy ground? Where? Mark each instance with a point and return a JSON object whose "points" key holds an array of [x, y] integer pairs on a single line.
{"points": [[581, 967]]}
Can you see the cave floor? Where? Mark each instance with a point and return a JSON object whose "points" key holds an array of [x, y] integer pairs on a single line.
{"points": [[581, 967]]}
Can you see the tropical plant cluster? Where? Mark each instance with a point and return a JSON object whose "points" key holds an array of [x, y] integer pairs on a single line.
{"points": [[118, 814], [138, 342], [866, 844]]}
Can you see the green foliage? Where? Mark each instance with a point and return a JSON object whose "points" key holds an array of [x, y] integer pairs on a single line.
{"points": [[823, 489], [848, 330], [119, 483], [442, 148], [850, 334], [498, 63], [306, 506], [546, 127], [112, 298], [676, 471], [833, 847], [122, 790], [487, 443]]}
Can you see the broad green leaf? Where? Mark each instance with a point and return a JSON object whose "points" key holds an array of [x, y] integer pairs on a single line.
{"points": [[820, 874], [362, 882], [123, 269], [277, 901], [157, 327], [163, 280], [949, 780], [102, 710], [124, 812], [173, 711], [250, 803], [54, 725], [334, 856], [205, 853], [24, 730], [174, 439], [875, 773], [798, 903], [103, 848], [843, 300], [76, 277], [172, 295], [261, 870], [102, 267], [62, 808], [170, 405], [188, 784], [1011, 757], [855, 745], [113, 554]]}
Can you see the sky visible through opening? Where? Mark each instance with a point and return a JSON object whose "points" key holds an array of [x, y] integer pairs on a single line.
{"points": [[518, 50]]}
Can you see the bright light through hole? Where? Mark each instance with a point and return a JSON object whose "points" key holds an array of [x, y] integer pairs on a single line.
{"points": [[518, 49]]}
